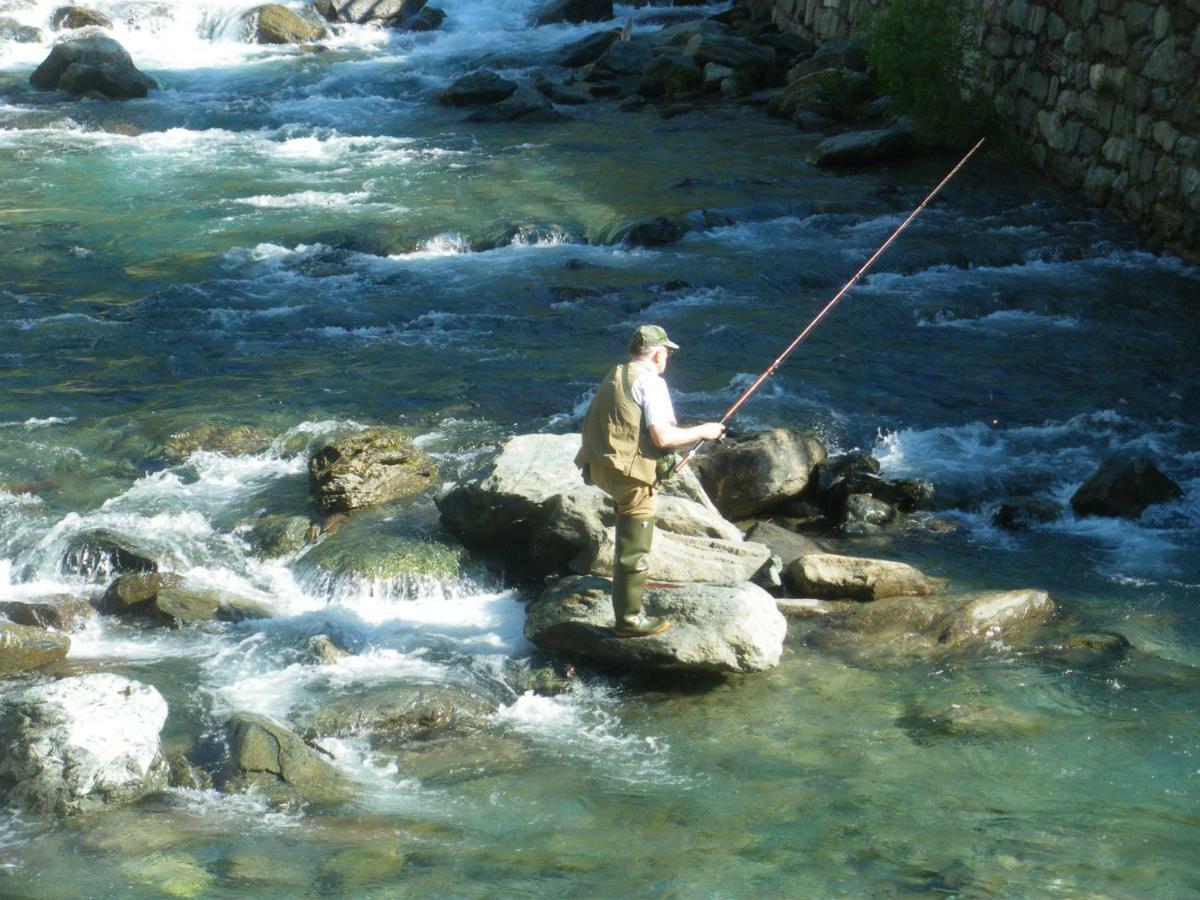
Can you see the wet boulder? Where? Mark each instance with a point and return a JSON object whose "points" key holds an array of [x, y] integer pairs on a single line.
{"points": [[716, 628], [276, 762], [324, 651], [367, 468], [397, 712], [232, 440], [134, 590], [830, 576], [1021, 513], [783, 542], [428, 18], [678, 36], [99, 552], [90, 63], [864, 514], [478, 89], [586, 50], [1123, 487], [275, 534], [189, 604], [82, 743], [61, 612], [525, 105], [275, 24], [622, 63], [70, 17], [405, 564], [12, 30], [753, 474], [360, 11], [25, 647], [864, 147], [576, 12], [650, 231]]}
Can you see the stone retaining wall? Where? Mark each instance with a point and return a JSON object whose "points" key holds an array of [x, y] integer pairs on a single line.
{"points": [[1105, 92]]}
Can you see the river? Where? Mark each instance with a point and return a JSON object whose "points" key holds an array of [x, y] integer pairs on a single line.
{"points": [[292, 241]]}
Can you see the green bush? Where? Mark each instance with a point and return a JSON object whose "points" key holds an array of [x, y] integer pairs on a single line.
{"points": [[843, 92], [915, 50]]}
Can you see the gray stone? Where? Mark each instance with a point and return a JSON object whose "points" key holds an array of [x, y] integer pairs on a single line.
{"points": [[736, 53], [1115, 41], [569, 96], [624, 61], [428, 18], [1139, 17], [130, 591], [396, 712], [1073, 43], [1123, 487], [1097, 183], [521, 106], [753, 474], [1090, 142], [275, 24], [863, 509], [1161, 66], [832, 577], [24, 647], [679, 35], [1117, 151], [91, 62], [1018, 13], [279, 764], [1162, 22], [1165, 135], [478, 89], [715, 629], [82, 743], [368, 468], [667, 76], [574, 11], [864, 147], [1019, 513], [783, 542], [1056, 28], [1166, 174]]}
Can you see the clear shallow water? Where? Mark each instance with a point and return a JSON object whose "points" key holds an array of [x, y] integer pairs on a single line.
{"points": [[292, 241]]}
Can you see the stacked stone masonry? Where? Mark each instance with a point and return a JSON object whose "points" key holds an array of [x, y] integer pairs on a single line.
{"points": [[1105, 92]]}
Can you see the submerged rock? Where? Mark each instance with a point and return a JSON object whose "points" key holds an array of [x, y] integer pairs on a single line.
{"points": [[23, 647], [367, 468], [276, 535], [61, 612], [398, 711], [168, 874], [322, 649], [716, 628], [832, 577], [232, 440], [574, 11], [863, 147], [478, 89], [1123, 487], [275, 761], [750, 475], [82, 743], [92, 62], [1020, 513], [650, 231]]}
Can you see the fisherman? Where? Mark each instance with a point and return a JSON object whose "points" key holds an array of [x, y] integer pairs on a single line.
{"points": [[628, 432]]}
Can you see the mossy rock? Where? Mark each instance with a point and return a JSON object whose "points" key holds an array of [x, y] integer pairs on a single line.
{"points": [[233, 440], [388, 558], [172, 874], [280, 535]]}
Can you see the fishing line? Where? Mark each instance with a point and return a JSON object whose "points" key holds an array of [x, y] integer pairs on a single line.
{"points": [[770, 370]]}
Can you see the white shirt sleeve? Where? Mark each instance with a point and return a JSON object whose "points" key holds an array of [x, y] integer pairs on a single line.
{"points": [[650, 393]]}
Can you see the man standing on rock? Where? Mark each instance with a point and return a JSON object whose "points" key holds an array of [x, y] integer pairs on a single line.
{"points": [[627, 428]]}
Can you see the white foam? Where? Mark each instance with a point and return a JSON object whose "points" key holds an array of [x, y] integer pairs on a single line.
{"points": [[1008, 320], [306, 199]]}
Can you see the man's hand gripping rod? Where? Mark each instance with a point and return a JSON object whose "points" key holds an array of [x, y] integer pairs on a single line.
{"points": [[828, 306]]}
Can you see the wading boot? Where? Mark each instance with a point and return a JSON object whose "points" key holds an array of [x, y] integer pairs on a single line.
{"points": [[631, 565]]}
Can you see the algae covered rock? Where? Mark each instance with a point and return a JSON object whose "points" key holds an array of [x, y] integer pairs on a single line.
{"points": [[716, 628], [408, 561], [367, 468], [275, 24], [82, 743], [23, 647], [283, 767], [232, 440]]}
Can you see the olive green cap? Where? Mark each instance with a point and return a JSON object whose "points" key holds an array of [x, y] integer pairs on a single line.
{"points": [[648, 337]]}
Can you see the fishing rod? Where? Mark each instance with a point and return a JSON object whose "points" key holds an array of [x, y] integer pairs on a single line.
{"points": [[770, 370]]}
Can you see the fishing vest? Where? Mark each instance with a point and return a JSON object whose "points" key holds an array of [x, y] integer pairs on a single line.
{"points": [[614, 432]]}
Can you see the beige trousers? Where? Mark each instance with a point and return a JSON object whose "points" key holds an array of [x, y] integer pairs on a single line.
{"points": [[633, 497]]}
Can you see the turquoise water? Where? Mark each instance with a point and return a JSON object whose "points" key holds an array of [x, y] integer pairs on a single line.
{"points": [[295, 242]]}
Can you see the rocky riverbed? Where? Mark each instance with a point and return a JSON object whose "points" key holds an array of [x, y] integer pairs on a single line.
{"points": [[295, 348]]}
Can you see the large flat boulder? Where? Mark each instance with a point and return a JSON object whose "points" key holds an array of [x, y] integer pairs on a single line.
{"points": [[828, 576], [1123, 488], [82, 743], [25, 647], [716, 629], [368, 468], [529, 503], [92, 62], [857, 148], [756, 473]]}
